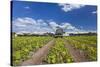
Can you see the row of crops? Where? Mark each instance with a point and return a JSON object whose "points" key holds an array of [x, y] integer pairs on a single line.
{"points": [[24, 47], [58, 53], [87, 44]]}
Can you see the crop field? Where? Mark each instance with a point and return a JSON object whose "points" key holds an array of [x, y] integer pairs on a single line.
{"points": [[52, 33], [23, 47], [32, 50]]}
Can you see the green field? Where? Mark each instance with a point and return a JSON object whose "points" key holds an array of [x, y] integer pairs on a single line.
{"points": [[23, 47]]}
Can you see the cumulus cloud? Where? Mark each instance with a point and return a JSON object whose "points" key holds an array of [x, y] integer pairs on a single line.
{"points": [[23, 22], [53, 25], [65, 26], [31, 25], [70, 7]]}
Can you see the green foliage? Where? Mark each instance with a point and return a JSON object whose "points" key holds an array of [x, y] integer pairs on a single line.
{"points": [[22, 46], [85, 43], [58, 53]]}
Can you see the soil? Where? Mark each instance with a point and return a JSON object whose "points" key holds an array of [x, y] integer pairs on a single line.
{"points": [[37, 58], [39, 55], [77, 55]]}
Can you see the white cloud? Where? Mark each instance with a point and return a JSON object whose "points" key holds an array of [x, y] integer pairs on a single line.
{"points": [[94, 12], [53, 25], [70, 7], [31, 25], [23, 22], [66, 26]]}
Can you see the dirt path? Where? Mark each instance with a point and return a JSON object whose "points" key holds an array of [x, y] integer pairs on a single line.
{"points": [[77, 55], [39, 55]]}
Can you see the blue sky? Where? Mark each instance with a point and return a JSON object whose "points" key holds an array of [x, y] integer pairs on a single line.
{"points": [[40, 17]]}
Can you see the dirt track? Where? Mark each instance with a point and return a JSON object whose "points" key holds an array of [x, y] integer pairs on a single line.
{"points": [[77, 55], [39, 55]]}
